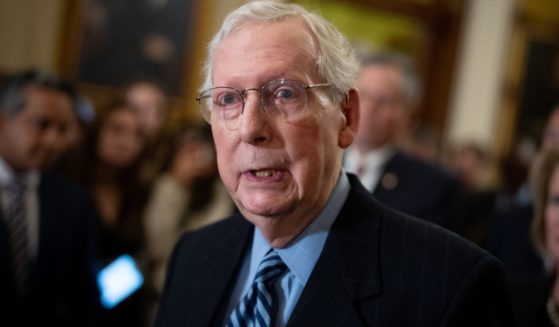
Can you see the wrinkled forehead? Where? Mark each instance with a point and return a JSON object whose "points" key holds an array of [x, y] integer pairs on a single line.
{"points": [[286, 43]]}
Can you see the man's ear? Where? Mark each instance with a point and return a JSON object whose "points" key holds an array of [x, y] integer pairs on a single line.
{"points": [[350, 110]]}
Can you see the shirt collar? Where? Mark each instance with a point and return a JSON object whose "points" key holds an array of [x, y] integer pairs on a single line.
{"points": [[303, 252], [373, 159], [7, 175]]}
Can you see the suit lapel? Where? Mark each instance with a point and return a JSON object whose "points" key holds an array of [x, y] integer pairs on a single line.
{"points": [[348, 270], [222, 263]]}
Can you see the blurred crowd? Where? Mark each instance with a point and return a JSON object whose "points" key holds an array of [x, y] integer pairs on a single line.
{"points": [[118, 180], [123, 183]]}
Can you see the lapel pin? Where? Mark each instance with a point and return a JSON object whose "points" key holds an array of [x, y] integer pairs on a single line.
{"points": [[389, 181]]}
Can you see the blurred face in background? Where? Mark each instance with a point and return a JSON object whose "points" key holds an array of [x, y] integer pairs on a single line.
{"points": [[35, 137], [551, 133], [552, 215], [382, 106], [120, 140], [151, 103]]}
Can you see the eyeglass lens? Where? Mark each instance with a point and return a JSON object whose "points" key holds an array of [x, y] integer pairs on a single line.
{"points": [[282, 98]]}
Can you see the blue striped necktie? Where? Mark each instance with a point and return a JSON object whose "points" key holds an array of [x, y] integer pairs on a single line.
{"points": [[259, 305]]}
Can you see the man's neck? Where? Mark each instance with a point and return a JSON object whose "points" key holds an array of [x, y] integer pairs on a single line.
{"points": [[279, 231]]}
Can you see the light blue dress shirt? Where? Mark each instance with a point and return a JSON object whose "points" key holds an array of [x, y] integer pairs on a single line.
{"points": [[300, 256]]}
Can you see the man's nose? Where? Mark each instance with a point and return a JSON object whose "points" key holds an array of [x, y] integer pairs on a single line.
{"points": [[254, 124]]}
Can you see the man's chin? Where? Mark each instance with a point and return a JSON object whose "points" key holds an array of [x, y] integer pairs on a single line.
{"points": [[265, 211]]}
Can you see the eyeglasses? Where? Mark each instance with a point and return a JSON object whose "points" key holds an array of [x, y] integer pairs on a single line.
{"points": [[283, 98]]}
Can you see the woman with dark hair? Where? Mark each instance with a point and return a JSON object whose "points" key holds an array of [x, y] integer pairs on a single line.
{"points": [[112, 154]]}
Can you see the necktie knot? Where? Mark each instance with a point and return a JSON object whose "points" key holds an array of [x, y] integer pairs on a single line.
{"points": [[270, 268], [258, 307]]}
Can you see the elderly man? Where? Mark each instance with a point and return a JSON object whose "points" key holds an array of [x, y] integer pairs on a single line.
{"points": [[310, 246]]}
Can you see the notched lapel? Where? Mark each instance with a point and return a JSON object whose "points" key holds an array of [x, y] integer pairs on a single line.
{"points": [[221, 264], [348, 270], [325, 301]]}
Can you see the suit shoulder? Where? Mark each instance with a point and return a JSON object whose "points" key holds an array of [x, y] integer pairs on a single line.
{"points": [[211, 232], [423, 241], [420, 167]]}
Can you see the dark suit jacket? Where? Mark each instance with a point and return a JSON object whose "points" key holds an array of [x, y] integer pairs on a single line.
{"points": [[420, 189], [511, 242], [62, 287], [529, 296], [378, 268]]}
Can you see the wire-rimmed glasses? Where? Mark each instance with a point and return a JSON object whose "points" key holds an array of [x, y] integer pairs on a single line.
{"points": [[282, 98]]}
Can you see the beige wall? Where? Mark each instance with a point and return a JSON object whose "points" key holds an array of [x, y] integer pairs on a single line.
{"points": [[477, 93], [29, 34]]}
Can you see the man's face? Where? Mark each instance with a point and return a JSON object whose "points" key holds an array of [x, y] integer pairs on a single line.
{"points": [[382, 106], [35, 136], [277, 172]]}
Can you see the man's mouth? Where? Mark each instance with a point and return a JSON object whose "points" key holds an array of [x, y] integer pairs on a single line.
{"points": [[265, 175], [263, 172]]}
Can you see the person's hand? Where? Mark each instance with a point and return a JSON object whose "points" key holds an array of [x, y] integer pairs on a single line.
{"points": [[193, 160]]}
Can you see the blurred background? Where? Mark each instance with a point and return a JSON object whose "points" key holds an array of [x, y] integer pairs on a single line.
{"points": [[490, 68], [490, 73]]}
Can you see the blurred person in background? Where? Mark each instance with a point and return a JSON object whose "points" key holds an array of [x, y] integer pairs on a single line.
{"points": [[389, 90], [537, 298], [112, 155], [471, 164], [83, 118], [152, 104], [47, 238], [422, 142], [84, 115], [187, 196], [509, 234], [551, 133], [514, 207]]}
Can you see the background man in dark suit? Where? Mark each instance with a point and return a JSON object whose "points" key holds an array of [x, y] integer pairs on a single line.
{"points": [[310, 246], [46, 245], [389, 90]]}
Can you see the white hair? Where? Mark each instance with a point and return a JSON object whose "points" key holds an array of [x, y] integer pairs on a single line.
{"points": [[335, 60]]}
